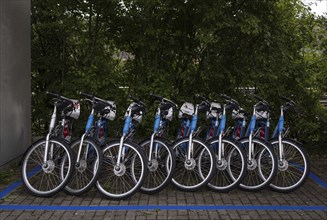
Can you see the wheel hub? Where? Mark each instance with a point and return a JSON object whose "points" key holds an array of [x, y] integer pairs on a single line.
{"points": [[120, 169], [252, 164], [221, 164], [153, 165], [81, 166], [49, 166], [282, 165], [190, 164]]}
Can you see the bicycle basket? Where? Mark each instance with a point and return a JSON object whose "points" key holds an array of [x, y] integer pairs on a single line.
{"points": [[109, 112], [261, 114], [238, 114], [168, 114], [136, 116], [215, 109], [186, 109], [76, 110]]}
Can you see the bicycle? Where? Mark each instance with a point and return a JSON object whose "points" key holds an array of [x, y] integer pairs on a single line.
{"points": [[195, 160], [293, 161], [261, 158], [238, 130], [231, 159], [42, 161], [87, 151], [161, 158], [125, 167]]}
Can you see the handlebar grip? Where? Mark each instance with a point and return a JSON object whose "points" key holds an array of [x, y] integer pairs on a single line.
{"points": [[287, 99], [156, 97], [52, 94]]}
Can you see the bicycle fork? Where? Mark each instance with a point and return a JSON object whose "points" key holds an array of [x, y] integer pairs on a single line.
{"points": [[280, 131], [121, 150], [87, 130], [47, 139]]}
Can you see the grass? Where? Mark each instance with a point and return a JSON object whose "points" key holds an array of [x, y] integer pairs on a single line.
{"points": [[9, 173]]}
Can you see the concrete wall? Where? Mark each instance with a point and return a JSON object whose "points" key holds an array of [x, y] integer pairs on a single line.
{"points": [[15, 78]]}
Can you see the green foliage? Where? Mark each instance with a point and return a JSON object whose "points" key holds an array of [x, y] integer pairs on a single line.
{"points": [[180, 48]]}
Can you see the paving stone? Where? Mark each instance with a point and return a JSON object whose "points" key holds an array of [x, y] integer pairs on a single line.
{"points": [[310, 194]]}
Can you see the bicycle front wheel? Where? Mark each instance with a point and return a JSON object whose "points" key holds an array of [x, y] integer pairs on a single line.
{"points": [[262, 166], [121, 181], [161, 165], [230, 168], [87, 169], [194, 173], [293, 166], [44, 179]]}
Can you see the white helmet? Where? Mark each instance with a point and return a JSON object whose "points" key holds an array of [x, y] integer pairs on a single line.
{"points": [[76, 110], [261, 114], [112, 114], [214, 110], [168, 114], [137, 117], [186, 109], [238, 114]]}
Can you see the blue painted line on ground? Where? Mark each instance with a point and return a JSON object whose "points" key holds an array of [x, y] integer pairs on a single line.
{"points": [[9, 189], [315, 178], [16, 184], [162, 207]]}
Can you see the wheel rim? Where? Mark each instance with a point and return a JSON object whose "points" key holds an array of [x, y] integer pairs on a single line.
{"points": [[121, 184], [86, 170], [229, 170], [262, 166], [202, 161], [45, 179], [292, 169], [160, 166]]}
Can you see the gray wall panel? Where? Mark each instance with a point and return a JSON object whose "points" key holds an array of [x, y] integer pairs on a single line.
{"points": [[15, 78]]}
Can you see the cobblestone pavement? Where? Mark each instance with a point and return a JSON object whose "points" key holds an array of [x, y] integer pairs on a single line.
{"points": [[233, 205]]}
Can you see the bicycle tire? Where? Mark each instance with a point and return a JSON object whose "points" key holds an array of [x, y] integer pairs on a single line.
{"points": [[40, 179], [161, 168], [262, 168], [231, 169], [294, 170], [86, 172], [205, 165], [126, 180]]}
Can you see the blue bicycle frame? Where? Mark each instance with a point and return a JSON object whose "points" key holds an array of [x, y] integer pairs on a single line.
{"points": [[239, 128], [101, 131]]}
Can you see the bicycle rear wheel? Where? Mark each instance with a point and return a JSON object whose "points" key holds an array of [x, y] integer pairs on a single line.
{"points": [[161, 166], [121, 181], [44, 179], [231, 168], [87, 170], [262, 168], [293, 167], [193, 174]]}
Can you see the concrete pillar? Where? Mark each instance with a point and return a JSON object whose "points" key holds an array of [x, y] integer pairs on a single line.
{"points": [[15, 78]]}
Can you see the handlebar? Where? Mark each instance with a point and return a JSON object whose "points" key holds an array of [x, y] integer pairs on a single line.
{"points": [[226, 97], [93, 99], [57, 96], [203, 98], [87, 95], [164, 100], [288, 100], [135, 99], [230, 101]]}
